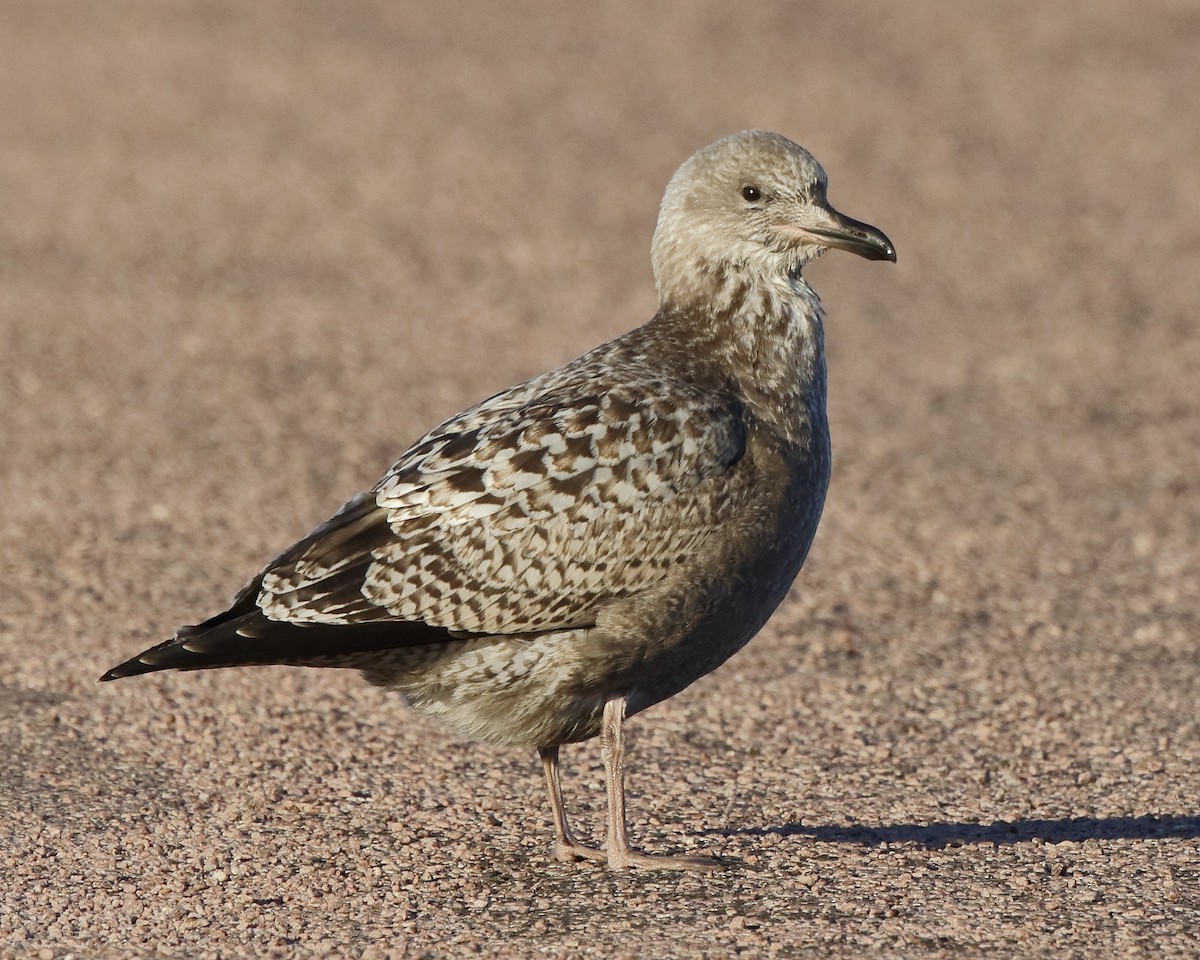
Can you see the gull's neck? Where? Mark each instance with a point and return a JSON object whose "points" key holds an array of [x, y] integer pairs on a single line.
{"points": [[765, 334]]}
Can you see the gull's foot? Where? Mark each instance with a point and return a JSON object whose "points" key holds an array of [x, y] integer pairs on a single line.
{"points": [[568, 851], [572, 851], [624, 859]]}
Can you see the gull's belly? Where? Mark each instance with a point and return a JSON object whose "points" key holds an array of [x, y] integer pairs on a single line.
{"points": [[524, 691]]}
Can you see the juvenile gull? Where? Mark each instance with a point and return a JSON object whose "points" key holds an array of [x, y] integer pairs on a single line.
{"points": [[588, 543]]}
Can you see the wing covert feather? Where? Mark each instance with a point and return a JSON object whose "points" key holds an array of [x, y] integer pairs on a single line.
{"points": [[524, 513]]}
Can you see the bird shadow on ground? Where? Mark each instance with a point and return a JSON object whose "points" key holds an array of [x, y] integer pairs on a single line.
{"points": [[949, 834]]}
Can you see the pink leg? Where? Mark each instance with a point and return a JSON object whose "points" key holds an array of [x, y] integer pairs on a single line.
{"points": [[621, 855], [566, 847]]}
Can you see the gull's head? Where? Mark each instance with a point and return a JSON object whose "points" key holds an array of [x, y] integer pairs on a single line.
{"points": [[756, 203]]}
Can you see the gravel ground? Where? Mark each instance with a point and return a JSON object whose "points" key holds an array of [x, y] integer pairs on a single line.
{"points": [[250, 251]]}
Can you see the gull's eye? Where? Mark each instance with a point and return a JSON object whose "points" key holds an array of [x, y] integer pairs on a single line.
{"points": [[751, 193]]}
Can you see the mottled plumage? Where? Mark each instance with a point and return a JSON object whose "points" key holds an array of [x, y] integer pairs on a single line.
{"points": [[524, 515], [589, 542]]}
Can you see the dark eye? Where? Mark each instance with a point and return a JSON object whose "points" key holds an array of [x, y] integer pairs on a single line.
{"points": [[750, 194]]}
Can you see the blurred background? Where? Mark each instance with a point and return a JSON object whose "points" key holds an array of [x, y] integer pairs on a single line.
{"points": [[248, 252]]}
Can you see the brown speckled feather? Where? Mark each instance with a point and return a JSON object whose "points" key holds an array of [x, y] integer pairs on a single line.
{"points": [[527, 511]]}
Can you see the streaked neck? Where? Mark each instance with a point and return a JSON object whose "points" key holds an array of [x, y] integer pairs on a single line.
{"points": [[766, 334]]}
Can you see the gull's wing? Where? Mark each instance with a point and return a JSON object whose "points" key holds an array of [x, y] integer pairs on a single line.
{"points": [[523, 516]]}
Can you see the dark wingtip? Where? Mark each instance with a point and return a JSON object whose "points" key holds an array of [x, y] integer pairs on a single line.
{"points": [[130, 668], [117, 673]]}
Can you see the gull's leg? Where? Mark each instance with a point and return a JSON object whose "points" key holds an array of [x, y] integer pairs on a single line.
{"points": [[566, 847], [621, 855]]}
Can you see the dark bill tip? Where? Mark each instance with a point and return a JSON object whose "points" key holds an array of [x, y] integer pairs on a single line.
{"points": [[856, 237]]}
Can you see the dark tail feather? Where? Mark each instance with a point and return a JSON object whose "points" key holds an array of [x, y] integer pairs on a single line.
{"points": [[251, 639]]}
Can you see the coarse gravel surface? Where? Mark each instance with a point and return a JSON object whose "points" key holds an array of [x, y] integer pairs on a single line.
{"points": [[249, 251]]}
